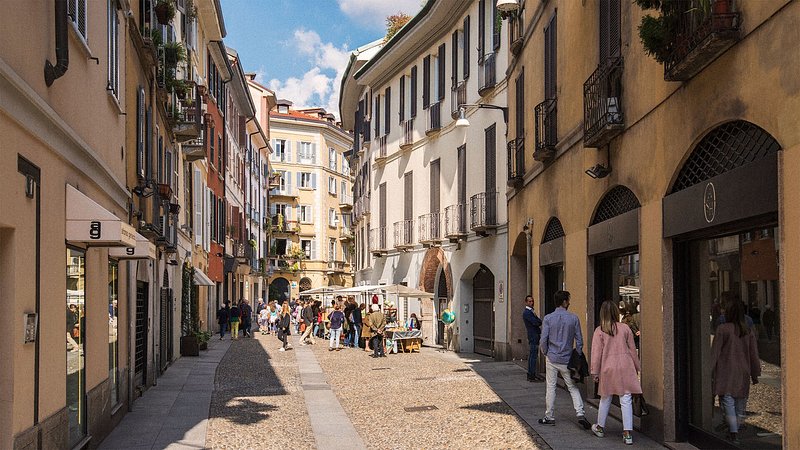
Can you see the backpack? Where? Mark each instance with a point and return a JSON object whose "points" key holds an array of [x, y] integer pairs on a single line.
{"points": [[235, 312]]}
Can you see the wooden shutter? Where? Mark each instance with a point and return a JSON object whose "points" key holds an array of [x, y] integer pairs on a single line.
{"points": [[197, 193], [435, 183], [382, 206], [454, 57], [442, 66], [402, 102], [408, 197], [140, 136], [519, 103], [313, 153], [550, 59], [426, 82], [387, 116], [462, 174], [413, 112], [467, 48], [481, 29], [377, 115], [495, 27], [490, 165]]}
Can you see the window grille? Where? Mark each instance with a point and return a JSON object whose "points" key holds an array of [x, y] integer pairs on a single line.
{"points": [[617, 201], [553, 231]]}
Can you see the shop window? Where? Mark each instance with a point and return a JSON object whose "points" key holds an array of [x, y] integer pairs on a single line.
{"points": [[76, 335], [113, 341]]}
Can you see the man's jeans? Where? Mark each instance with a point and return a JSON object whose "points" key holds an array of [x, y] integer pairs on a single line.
{"points": [[336, 333], [377, 345], [223, 327], [734, 409], [356, 330], [552, 376], [534, 353]]}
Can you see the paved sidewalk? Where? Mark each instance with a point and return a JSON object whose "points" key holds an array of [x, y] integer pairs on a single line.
{"points": [[510, 382], [174, 413]]}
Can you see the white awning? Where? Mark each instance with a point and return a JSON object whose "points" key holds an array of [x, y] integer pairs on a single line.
{"points": [[358, 289], [91, 224], [201, 279], [144, 249]]}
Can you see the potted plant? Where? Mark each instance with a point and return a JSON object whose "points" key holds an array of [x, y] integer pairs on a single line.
{"points": [[165, 11], [190, 345], [174, 53], [202, 339]]}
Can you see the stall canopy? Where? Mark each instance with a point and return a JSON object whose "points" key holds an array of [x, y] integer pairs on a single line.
{"points": [[201, 279], [405, 291], [360, 289], [322, 290], [91, 224]]}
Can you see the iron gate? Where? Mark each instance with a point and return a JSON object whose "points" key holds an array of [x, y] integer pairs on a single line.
{"points": [[483, 299]]}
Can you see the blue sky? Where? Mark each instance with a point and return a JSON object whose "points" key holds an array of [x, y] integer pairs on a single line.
{"points": [[300, 48]]}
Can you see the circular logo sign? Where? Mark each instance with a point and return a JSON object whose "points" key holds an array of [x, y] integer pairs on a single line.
{"points": [[710, 202]]}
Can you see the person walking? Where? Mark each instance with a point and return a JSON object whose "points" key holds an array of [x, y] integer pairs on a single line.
{"points": [[223, 317], [533, 325], [376, 322], [234, 320], [357, 320], [337, 321], [284, 325], [735, 365], [307, 319], [561, 330], [247, 317], [263, 321], [615, 366]]}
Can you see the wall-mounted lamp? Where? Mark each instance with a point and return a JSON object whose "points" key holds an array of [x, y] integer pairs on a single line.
{"points": [[598, 171], [507, 6], [462, 121]]}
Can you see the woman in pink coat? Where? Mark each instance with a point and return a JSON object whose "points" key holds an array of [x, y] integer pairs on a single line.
{"points": [[615, 365]]}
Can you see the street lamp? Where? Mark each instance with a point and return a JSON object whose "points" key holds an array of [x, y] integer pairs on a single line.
{"points": [[598, 171], [507, 6], [462, 121]]}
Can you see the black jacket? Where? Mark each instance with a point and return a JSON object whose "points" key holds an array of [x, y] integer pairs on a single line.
{"points": [[308, 315], [578, 367]]}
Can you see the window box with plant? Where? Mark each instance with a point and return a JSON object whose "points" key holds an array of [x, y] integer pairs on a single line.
{"points": [[165, 11]]}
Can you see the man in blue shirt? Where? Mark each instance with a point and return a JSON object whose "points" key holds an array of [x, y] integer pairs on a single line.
{"points": [[534, 326], [559, 331]]}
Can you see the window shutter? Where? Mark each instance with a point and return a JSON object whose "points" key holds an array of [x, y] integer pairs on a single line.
{"points": [[454, 57], [467, 48], [408, 203], [299, 179], [490, 145], [442, 66], [614, 29], [313, 153], [288, 177], [388, 113], [377, 115], [382, 206], [481, 29], [434, 183], [287, 151], [604, 23], [198, 206], [313, 181], [140, 133], [519, 106], [401, 110], [314, 249], [206, 218], [426, 82], [495, 27], [413, 112]]}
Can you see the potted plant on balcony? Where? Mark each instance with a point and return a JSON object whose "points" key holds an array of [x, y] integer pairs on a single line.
{"points": [[174, 53], [165, 11]]}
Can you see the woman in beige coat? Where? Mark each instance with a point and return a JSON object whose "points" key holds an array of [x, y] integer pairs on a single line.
{"points": [[736, 364], [615, 366]]}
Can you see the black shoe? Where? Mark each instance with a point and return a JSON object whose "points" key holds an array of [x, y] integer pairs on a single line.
{"points": [[584, 423], [547, 421]]}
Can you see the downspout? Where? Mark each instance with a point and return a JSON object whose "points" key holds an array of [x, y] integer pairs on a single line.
{"points": [[51, 72], [529, 257]]}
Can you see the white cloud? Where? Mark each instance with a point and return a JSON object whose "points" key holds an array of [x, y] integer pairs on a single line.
{"points": [[319, 86], [373, 13], [261, 74]]}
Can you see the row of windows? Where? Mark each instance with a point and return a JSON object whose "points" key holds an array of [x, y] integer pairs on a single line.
{"points": [[306, 153]]}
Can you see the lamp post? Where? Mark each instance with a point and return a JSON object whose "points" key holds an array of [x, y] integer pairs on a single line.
{"points": [[463, 122]]}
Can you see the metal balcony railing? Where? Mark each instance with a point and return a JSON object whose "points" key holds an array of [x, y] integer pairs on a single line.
{"points": [[345, 200], [404, 234], [702, 35], [602, 104], [483, 212], [434, 118], [429, 229], [407, 140], [283, 192], [381, 148], [546, 130], [336, 266], [455, 223], [487, 74], [458, 97], [516, 161], [188, 124], [377, 241], [195, 149]]}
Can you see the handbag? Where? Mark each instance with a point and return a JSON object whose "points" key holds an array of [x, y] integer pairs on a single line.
{"points": [[302, 327], [640, 408]]}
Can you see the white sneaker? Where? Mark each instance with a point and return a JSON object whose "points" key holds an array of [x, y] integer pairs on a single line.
{"points": [[282, 349]]}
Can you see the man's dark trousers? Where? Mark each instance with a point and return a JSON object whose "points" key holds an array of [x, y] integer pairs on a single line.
{"points": [[534, 353], [377, 345]]}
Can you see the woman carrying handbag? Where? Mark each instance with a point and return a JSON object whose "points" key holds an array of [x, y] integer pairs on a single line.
{"points": [[615, 366]]}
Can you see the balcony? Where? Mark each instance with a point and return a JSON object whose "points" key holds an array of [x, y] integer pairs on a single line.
{"points": [[701, 36], [377, 242], [455, 223], [487, 74], [434, 118], [404, 235], [195, 149], [345, 234], [275, 180], [244, 252], [188, 124], [458, 97], [546, 130], [281, 226], [429, 229], [284, 192], [407, 140], [280, 265], [483, 212], [516, 34], [602, 104], [335, 267], [345, 201], [381, 156], [516, 161]]}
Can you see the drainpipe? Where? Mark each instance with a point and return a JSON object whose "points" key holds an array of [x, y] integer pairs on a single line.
{"points": [[51, 72], [529, 257]]}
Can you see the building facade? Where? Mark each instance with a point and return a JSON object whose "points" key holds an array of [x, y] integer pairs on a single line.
{"points": [[447, 235], [662, 185], [311, 241]]}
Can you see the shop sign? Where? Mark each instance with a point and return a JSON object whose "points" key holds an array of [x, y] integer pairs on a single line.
{"points": [[91, 224], [144, 249]]}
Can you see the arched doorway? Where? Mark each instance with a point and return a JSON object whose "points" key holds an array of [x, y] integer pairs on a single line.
{"points": [[279, 290], [435, 277], [483, 315], [551, 264], [517, 290], [722, 216], [442, 295]]}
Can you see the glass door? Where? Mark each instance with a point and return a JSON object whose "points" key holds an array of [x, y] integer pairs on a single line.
{"points": [[76, 346]]}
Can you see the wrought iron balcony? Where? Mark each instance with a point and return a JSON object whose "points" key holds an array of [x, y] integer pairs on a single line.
{"points": [[377, 242], [188, 125], [345, 201], [483, 212], [458, 97], [487, 74], [701, 36], [283, 192], [407, 140], [434, 118], [382, 152], [546, 130], [404, 234], [602, 104], [429, 229], [516, 34], [455, 222], [516, 161], [274, 180]]}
